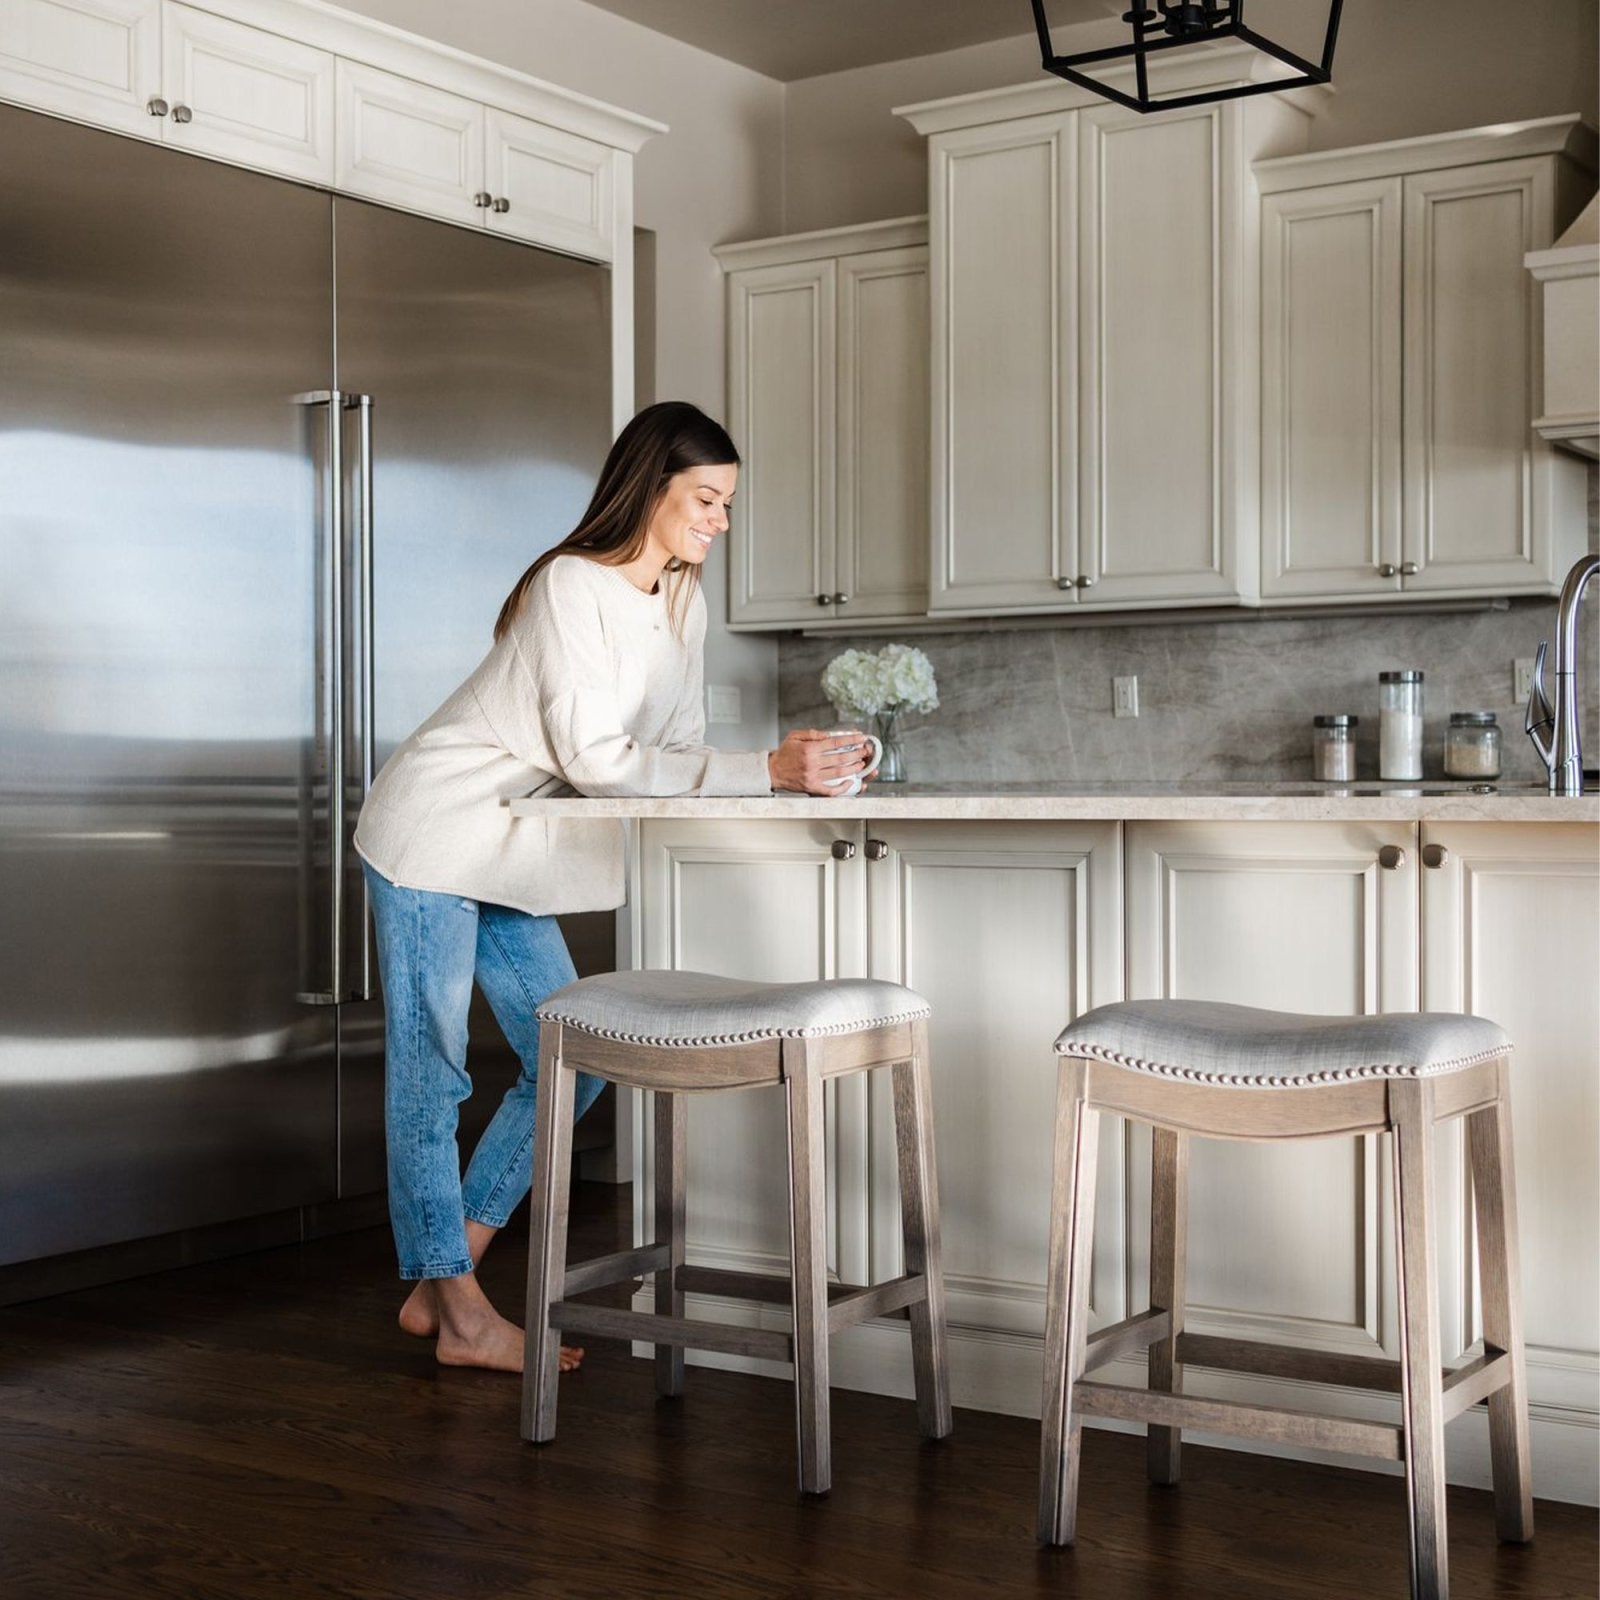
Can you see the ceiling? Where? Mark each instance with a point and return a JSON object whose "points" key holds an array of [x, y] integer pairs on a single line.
{"points": [[789, 39]]}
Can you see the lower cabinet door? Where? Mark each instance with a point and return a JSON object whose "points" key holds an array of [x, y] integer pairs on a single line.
{"points": [[1511, 930], [1009, 930], [1288, 1242], [766, 901]]}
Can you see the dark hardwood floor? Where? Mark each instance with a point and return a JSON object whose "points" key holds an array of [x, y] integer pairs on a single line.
{"points": [[259, 1428]]}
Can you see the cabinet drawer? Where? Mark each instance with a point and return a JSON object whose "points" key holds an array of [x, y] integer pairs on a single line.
{"points": [[252, 97]]}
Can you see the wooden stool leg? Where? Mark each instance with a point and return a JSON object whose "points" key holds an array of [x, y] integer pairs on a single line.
{"points": [[919, 1222], [808, 1264], [1067, 1302], [1421, 1360], [1169, 1232], [547, 1236], [671, 1227], [1499, 1273]]}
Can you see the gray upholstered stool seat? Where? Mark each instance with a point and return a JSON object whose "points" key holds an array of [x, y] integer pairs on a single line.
{"points": [[1188, 1068], [696, 1010], [1204, 1041], [684, 1033]]}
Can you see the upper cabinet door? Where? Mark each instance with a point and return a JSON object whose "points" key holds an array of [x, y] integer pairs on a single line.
{"points": [[247, 96], [781, 352], [1478, 482], [1330, 389], [1004, 489], [1154, 326], [882, 542], [409, 145], [96, 60], [548, 187]]}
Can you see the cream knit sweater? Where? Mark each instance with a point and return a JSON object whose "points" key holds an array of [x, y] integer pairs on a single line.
{"points": [[589, 691]]}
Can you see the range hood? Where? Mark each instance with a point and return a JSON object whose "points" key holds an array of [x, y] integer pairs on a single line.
{"points": [[1569, 276]]}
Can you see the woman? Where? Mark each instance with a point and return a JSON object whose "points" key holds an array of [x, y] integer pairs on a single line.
{"points": [[593, 685]]}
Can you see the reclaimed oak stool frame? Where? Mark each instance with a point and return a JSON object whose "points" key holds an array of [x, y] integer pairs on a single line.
{"points": [[684, 1033], [1230, 1072]]}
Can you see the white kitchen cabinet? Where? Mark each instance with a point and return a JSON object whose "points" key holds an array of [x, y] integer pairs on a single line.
{"points": [[1400, 368], [1509, 931], [1013, 929], [548, 187], [766, 901], [1288, 1241], [246, 96], [305, 91], [171, 72], [828, 402], [409, 144], [96, 61], [1093, 354]]}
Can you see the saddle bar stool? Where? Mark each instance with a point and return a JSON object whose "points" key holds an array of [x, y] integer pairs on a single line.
{"points": [[683, 1033], [1231, 1072]]}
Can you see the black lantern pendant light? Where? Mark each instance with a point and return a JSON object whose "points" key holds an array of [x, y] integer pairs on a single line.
{"points": [[1170, 26]]}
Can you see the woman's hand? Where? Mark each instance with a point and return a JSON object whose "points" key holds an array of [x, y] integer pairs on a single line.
{"points": [[808, 758]]}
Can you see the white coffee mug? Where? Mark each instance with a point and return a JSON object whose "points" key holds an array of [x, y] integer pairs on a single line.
{"points": [[855, 735]]}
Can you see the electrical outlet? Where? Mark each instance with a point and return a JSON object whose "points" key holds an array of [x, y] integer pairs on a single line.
{"points": [[1521, 680], [1124, 697], [723, 703]]}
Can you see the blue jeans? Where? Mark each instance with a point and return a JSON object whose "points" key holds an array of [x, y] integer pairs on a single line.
{"points": [[430, 948]]}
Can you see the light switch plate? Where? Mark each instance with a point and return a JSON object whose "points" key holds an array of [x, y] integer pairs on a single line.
{"points": [[723, 703], [1125, 697]]}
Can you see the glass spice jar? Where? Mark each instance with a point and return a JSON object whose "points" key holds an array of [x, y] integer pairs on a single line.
{"points": [[1472, 745], [1333, 748], [1400, 724]]}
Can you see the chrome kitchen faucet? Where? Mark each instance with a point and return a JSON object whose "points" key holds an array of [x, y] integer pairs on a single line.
{"points": [[1561, 750]]}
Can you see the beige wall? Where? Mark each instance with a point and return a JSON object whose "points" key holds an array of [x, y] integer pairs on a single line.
{"points": [[716, 175], [1403, 68]]}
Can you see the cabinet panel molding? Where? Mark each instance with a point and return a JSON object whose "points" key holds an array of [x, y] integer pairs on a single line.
{"points": [[95, 60], [557, 187], [256, 98], [1330, 389], [408, 144]]}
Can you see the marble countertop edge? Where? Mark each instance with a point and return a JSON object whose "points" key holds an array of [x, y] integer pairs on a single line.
{"points": [[1173, 802]]}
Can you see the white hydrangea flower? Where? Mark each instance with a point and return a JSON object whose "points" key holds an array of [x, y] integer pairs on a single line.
{"points": [[894, 679]]}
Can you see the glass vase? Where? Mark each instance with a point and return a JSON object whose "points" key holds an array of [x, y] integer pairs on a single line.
{"points": [[892, 764]]}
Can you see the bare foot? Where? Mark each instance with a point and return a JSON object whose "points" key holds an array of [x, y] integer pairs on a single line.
{"points": [[419, 1316], [492, 1343]]}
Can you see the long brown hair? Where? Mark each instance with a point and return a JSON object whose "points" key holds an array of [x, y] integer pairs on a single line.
{"points": [[660, 441]]}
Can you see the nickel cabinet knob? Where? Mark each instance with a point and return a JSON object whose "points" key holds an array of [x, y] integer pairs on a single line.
{"points": [[501, 206], [843, 850], [876, 849], [483, 200], [841, 599], [1391, 856], [1434, 855], [1086, 583], [1066, 583], [1409, 569], [824, 599], [1388, 570], [182, 114], [156, 106]]}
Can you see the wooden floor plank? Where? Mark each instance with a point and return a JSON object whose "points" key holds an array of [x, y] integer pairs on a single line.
{"points": [[257, 1429]]}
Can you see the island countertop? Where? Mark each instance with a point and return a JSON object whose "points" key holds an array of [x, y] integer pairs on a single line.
{"points": [[1301, 801]]}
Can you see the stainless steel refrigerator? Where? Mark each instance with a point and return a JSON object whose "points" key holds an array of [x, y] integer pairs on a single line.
{"points": [[270, 459]]}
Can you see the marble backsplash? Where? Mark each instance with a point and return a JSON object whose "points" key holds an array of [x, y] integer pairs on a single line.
{"points": [[1228, 700]]}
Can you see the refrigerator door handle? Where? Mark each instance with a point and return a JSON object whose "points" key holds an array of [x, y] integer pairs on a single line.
{"points": [[334, 401], [366, 673]]}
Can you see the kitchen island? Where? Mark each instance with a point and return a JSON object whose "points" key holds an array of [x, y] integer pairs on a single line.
{"points": [[1015, 907]]}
